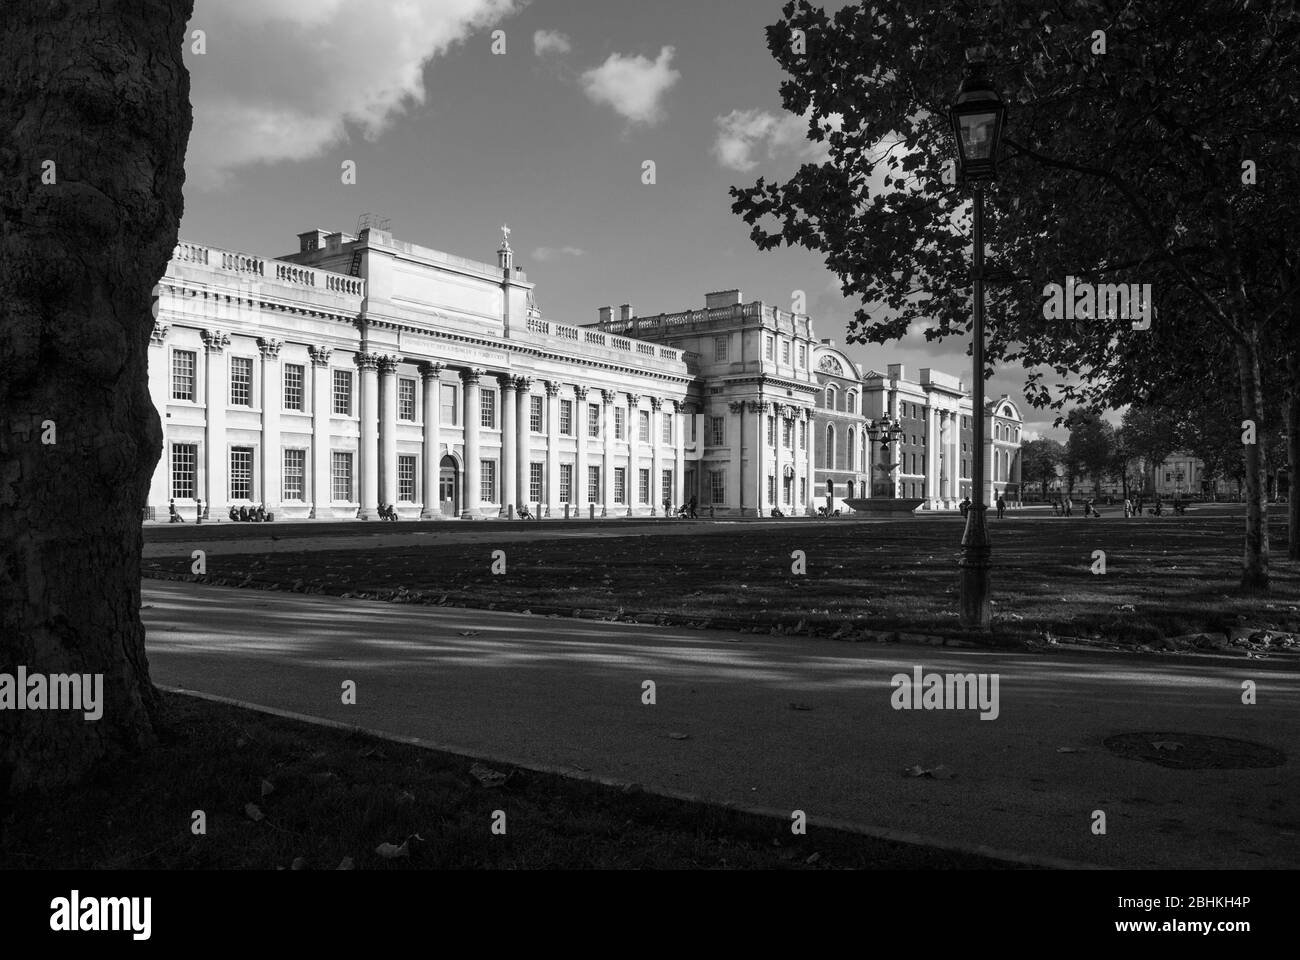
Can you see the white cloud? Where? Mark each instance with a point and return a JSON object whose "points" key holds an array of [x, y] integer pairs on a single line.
{"points": [[747, 136], [551, 253], [633, 85], [550, 41], [280, 77]]}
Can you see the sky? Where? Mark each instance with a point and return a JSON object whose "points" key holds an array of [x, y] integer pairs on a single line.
{"points": [[452, 141]]}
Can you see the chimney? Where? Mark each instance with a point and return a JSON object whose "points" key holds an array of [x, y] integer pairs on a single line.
{"points": [[895, 371], [606, 314], [721, 298], [625, 312]]}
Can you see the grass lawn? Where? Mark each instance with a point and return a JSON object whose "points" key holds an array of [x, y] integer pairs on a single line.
{"points": [[336, 794], [1164, 577]]}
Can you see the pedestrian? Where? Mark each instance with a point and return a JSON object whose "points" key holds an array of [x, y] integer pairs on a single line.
{"points": [[1002, 507], [1069, 505], [172, 515], [198, 516], [692, 505], [1056, 507], [1128, 508], [964, 506]]}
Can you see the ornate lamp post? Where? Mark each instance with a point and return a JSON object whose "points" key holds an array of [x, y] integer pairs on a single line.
{"points": [[977, 116], [884, 432]]}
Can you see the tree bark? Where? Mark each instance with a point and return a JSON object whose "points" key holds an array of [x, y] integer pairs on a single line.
{"points": [[94, 106], [1254, 567], [1292, 408]]}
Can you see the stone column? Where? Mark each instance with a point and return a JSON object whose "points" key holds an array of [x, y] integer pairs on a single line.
{"points": [[656, 468], [388, 428], [368, 364], [472, 492], [811, 465], [954, 444], [509, 444], [321, 406], [945, 441], [761, 458], [679, 474], [160, 394], [633, 451], [932, 456], [524, 439], [607, 472], [579, 492], [430, 376], [553, 445], [216, 490], [272, 400]]}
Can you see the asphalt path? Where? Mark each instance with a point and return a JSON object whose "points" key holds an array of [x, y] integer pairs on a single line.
{"points": [[775, 723]]}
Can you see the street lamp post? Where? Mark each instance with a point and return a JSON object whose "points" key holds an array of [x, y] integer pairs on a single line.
{"points": [[884, 432], [977, 116]]}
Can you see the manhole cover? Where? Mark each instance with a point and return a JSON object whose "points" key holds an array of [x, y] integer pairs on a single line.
{"points": [[1193, 751]]}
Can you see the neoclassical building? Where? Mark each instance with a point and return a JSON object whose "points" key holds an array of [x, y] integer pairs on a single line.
{"points": [[362, 370]]}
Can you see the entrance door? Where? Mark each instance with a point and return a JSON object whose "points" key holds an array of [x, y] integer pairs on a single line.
{"points": [[449, 488]]}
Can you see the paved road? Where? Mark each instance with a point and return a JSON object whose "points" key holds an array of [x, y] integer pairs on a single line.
{"points": [[567, 693]]}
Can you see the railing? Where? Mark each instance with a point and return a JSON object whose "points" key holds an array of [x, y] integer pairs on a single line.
{"points": [[566, 333], [283, 271], [618, 343], [594, 337], [600, 339], [538, 326], [646, 348]]}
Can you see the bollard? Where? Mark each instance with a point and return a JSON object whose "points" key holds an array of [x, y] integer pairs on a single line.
{"points": [[510, 511], [591, 511]]}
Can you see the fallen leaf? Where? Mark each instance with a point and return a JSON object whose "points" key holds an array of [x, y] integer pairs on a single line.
{"points": [[254, 812], [814, 858], [800, 706], [391, 851], [469, 633], [267, 788], [679, 736], [346, 864], [1069, 750], [299, 863]]}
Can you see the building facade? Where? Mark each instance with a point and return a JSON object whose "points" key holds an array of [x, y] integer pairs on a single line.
{"points": [[364, 371]]}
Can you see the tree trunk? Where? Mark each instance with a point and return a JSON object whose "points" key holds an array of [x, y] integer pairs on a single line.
{"points": [[95, 107], [1292, 409], [1254, 572]]}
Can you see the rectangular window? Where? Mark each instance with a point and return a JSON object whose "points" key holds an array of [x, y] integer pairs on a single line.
{"points": [[343, 393], [535, 490], [666, 486], [717, 486], [717, 431], [803, 491], [643, 486], [668, 427], [620, 485], [488, 481], [771, 431], [293, 378], [536, 419], [406, 399], [787, 433], [487, 405], [406, 478], [447, 403], [241, 473], [593, 420], [620, 423], [771, 489], [566, 419], [295, 464], [341, 477], [769, 347], [719, 349], [241, 381], [593, 484], [185, 457], [183, 375], [803, 434], [566, 483], [803, 356], [785, 352], [643, 425]]}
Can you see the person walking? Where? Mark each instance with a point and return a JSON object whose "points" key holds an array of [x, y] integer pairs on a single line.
{"points": [[694, 502], [1002, 507], [1069, 504]]}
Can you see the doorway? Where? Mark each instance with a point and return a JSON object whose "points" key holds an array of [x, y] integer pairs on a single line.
{"points": [[449, 488]]}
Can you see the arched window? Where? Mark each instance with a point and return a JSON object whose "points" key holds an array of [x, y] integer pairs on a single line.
{"points": [[848, 451], [830, 396], [830, 446], [862, 453], [851, 403]]}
